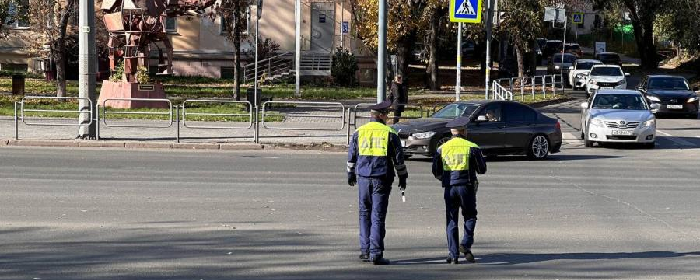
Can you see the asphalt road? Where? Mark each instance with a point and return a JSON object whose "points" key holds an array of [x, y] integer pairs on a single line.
{"points": [[602, 213]]}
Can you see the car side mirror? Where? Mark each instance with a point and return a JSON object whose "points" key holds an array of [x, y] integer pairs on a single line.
{"points": [[481, 118], [584, 105], [640, 88], [655, 106], [571, 68], [627, 74]]}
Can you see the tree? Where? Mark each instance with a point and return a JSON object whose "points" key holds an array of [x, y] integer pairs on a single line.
{"points": [[49, 32], [433, 19], [403, 21], [643, 15], [234, 19], [680, 25]]}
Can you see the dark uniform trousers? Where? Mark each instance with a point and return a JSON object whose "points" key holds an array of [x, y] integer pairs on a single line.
{"points": [[457, 197], [374, 201]]}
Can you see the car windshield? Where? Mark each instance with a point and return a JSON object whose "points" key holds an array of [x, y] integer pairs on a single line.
{"points": [[567, 59], [619, 101], [586, 65], [456, 110], [606, 71], [569, 47], [668, 84]]}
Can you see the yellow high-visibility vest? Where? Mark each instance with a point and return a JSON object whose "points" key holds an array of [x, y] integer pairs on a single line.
{"points": [[373, 139], [455, 154]]}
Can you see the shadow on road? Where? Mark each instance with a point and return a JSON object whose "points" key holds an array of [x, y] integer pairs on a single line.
{"points": [[513, 259]]}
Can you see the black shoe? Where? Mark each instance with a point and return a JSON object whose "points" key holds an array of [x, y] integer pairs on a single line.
{"points": [[381, 261], [450, 260], [469, 256], [364, 257]]}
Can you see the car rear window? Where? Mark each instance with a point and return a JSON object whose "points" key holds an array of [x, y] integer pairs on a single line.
{"points": [[610, 57]]}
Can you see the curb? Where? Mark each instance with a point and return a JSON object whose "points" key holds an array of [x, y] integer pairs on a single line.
{"points": [[169, 146]]}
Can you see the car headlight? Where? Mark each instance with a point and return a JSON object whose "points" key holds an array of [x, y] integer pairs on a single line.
{"points": [[692, 99], [622, 82], [592, 82], [580, 75], [654, 98], [649, 123], [556, 67], [423, 135], [597, 122]]}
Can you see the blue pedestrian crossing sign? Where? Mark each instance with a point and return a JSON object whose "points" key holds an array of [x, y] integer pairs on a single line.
{"points": [[468, 11], [345, 27], [577, 18]]}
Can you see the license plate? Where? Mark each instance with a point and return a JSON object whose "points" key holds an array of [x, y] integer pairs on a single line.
{"points": [[606, 88], [403, 143], [622, 132], [674, 106]]}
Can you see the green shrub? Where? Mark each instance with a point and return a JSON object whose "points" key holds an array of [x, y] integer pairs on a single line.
{"points": [[118, 73], [343, 68]]}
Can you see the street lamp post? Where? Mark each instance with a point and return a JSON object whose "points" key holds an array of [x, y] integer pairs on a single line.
{"points": [[381, 53]]}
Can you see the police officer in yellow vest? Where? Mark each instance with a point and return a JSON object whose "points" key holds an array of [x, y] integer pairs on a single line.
{"points": [[456, 164], [374, 152]]}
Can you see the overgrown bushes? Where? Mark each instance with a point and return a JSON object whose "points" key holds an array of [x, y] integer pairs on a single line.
{"points": [[343, 68]]}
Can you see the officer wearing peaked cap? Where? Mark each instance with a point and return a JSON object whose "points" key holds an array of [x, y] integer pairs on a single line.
{"points": [[374, 152], [456, 164]]}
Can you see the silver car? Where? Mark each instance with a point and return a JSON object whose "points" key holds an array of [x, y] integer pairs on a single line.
{"points": [[620, 116], [605, 77]]}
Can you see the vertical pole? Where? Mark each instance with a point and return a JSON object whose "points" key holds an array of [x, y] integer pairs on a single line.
{"points": [[489, 29], [563, 49], [97, 121], [255, 83], [381, 53], [16, 123], [86, 66], [459, 61], [297, 55], [342, 19], [177, 124]]}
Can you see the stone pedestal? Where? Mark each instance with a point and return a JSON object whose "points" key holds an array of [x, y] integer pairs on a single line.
{"points": [[117, 90]]}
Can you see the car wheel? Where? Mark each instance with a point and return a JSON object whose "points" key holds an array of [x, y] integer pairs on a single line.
{"points": [[538, 148], [588, 143], [692, 116]]}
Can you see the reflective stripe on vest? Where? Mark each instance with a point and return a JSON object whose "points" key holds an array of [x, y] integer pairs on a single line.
{"points": [[455, 154], [373, 139]]}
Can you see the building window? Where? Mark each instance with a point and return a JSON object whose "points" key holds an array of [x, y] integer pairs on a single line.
{"points": [[171, 24], [17, 14], [226, 72], [226, 24], [19, 67]]}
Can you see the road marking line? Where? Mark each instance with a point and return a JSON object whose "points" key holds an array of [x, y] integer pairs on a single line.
{"points": [[675, 139]]}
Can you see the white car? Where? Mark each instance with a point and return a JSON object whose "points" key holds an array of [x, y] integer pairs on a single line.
{"points": [[605, 77], [579, 71], [618, 116]]}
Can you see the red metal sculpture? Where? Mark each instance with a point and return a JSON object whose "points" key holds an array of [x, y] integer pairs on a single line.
{"points": [[136, 30]]}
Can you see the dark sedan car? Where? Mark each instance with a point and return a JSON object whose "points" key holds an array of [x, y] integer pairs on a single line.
{"points": [[672, 93], [609, 58], [498, 127]]}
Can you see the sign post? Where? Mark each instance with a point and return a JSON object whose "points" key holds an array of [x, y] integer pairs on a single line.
{"points": [[577, 18], [464, 11]]}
